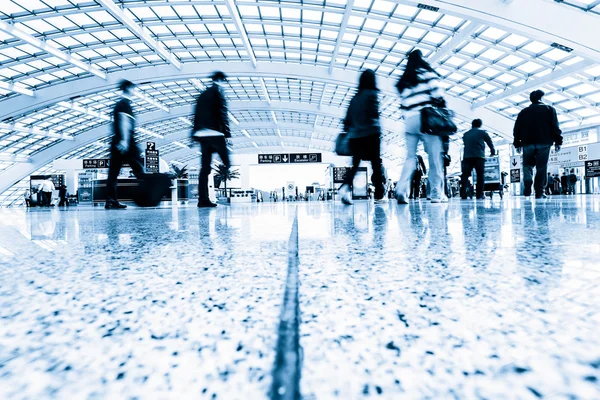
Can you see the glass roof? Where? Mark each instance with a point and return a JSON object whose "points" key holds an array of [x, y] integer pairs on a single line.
{"points": [[47, 42]]}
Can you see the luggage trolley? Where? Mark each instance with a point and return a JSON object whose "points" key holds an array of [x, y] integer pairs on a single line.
{"points": [[492, 176]]}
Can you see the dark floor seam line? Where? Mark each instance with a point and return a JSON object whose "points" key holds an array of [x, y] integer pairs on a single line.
{"points": [[288, 363]]}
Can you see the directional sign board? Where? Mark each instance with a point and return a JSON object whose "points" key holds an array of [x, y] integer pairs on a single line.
{"points": [[515, 175], [592, 168], [300, 158], [151, 158], [273, 158], [340, 173], [516, 162], [95, 163]]}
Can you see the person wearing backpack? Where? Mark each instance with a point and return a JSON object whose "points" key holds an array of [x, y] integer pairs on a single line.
{"points": [[572, 182]]}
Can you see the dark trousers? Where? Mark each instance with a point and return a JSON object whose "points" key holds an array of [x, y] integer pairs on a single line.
{"points": [[535, 156], [415, 185], [133, 158], [63, 202], [47, 198], [368, 149], [467, 168], [209, 146]]}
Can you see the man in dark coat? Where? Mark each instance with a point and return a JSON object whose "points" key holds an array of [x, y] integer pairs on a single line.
{"points": [[474, 156], [536, 130], [123, 148], [211, 128]]}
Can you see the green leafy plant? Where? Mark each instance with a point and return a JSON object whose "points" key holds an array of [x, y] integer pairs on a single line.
{"points": [[180, 173], [222, 174]]}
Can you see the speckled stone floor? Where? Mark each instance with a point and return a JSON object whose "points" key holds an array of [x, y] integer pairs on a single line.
{"points": [[467, 300]]}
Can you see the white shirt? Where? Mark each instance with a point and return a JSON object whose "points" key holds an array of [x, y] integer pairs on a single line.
{"points": [[47, 186]]}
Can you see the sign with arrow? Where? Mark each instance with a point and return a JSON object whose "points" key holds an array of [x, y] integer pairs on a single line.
{"points": [[592, 168], [516, 162], [273, 158]]}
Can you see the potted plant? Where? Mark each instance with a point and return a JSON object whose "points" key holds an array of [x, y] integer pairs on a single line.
{"points": [[223, 174]]}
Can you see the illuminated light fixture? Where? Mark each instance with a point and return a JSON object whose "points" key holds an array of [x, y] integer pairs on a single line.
{"points": [[254, 144], [11, 87], [148, 132], [233, 119], [198, 84], [183, 146], [274, 117], [48, 48], [278, 132], [34, 131], [185, 121], [264, 88], [245, 133]]}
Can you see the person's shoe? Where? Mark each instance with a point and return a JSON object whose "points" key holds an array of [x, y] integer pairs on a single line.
{"points": [[541, 196], [401, 199], [481, 198], [114, 205], [382, 200], [444, 199], [206, 204], [526, 192]]}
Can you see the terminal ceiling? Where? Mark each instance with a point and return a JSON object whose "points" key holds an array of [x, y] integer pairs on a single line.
{"points": [[292, 65]]}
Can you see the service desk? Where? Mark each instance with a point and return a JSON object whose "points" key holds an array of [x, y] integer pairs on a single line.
{"points": [[126, 189]]}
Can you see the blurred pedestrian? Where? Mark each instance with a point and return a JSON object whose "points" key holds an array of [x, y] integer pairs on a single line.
{"points": [[211, 128], [364, 130], [536, 130], [474, 141], [419, 88]]}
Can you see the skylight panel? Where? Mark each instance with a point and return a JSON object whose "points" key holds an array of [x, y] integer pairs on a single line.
{"points": [[428, 16], [585, 112], [210, 11], [566, 82], [415, 33], [60, 22], [394, 29], [450, 22], [584, 89], [536, 47], [556, 54], [472, 48], [291, 14], [310, 15], [355, 21], [405, 11], [472, 66], [384, 44], [529, 67], [511, 60], [572, 61], [435, 38], [332, 18], [493, 33], [374, 24], [32, 5], [492, 54], [81, 19], [570, 105], [366, 40], [506, 78], [514, 40], [454, 61]]}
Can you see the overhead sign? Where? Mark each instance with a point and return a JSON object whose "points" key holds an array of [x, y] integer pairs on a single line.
{"points": [[299, 158], [515, 175], [295, 158], [95, 163], [592, 168], [273, 158], [152, 162], [340, 173]]}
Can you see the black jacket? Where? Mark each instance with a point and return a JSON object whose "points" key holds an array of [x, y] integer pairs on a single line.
{"points": [[475, 140], [211, 111], [537, 124], [362, 117]]}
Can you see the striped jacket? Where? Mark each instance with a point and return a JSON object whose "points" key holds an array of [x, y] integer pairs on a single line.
{"points": [[423, 94]]}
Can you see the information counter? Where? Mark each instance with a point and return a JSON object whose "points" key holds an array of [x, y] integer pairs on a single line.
{"points": [[126, 189]]}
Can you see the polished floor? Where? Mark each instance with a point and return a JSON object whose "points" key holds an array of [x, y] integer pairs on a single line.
{"points": [[466, 300]]}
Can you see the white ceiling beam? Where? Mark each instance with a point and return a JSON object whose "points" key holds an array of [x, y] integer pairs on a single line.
{"points": [[139, 31], [342, 31], [536, 83], [13, 158], [265, 91], [451, 45], [239, 26], [522, 17], [34, 131], [11, 87], [48, 48]]}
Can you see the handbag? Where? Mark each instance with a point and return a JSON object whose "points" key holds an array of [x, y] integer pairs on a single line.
{"points": [[342, 145], [437, 121]]}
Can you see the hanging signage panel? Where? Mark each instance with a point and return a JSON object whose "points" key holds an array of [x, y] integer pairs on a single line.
{"points": [[273, 158], [301, 158], [592, 169]]}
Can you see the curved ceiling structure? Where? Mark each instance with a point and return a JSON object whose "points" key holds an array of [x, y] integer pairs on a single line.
{"points": [[292, 68]]}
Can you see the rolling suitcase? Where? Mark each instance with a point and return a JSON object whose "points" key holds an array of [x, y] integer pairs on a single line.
{"points": [[152, 189]]}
